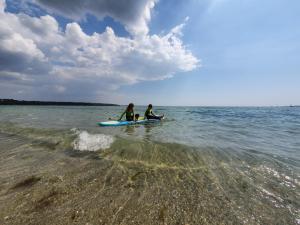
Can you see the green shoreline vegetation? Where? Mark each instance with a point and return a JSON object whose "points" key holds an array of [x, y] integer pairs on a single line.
{"points": [[22, 102]]}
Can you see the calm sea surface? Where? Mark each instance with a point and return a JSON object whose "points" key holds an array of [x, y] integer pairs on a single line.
{"points": [[201, 165]]}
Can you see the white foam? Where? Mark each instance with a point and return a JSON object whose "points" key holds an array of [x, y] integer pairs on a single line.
{"points": [[92, 142]]}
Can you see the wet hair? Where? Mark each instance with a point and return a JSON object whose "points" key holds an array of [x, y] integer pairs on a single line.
{"points": [[150, 106], [130, 106]]}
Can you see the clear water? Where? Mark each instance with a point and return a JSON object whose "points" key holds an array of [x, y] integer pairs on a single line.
{"points": [[250, 156], [274, 130]]}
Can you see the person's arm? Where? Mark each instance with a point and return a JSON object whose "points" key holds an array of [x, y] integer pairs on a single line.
{"points": [[152, 113], [122, 115]]}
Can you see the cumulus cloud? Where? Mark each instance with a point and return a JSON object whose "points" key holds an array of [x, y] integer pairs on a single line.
{"points": [[37, 52], [132, 13]]}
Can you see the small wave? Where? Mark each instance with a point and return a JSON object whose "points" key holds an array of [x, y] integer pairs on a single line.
{"points": [[92, 142]]}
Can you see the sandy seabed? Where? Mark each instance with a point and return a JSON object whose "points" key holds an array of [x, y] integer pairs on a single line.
{"points": [[129, 183]]}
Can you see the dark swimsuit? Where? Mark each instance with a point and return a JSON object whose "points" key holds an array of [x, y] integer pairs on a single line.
{"points": [[129, 116], [149, 115]]}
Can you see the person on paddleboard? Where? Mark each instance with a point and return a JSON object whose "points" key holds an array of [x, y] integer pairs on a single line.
{"points": [[150, 115], [129, 113], [136, 117]]}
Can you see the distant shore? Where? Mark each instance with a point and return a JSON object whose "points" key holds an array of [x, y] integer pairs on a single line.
{"points": [[21, 102]]}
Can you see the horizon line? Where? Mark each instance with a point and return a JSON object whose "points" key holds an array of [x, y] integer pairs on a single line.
{"points": [[118, 104]]}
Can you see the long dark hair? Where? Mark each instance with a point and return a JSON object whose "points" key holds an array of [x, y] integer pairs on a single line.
{"points": [[130, 107]]}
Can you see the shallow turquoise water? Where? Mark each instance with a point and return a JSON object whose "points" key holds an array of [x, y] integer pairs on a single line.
{"points": [[252, 150]]}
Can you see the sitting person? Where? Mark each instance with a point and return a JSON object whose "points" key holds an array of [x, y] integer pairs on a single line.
{"points": [[136, 117], [150, 115], [129, 113]]}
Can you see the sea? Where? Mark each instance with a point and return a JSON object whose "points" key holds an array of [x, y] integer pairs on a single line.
{"points": [[200, 165]]}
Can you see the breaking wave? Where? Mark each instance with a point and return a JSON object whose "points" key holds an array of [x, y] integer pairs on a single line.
{"points": [[92, 142]]}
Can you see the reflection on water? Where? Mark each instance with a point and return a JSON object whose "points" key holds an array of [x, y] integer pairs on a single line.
{"points": [[142, 131], [148, 132], [129, 130]]}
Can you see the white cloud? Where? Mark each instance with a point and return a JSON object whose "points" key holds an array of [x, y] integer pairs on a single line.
{"points": [[134, 14], [16, 43], [38, 50]]}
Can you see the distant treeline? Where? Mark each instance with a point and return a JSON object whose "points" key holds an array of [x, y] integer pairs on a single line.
{"points": [[17, 102]]}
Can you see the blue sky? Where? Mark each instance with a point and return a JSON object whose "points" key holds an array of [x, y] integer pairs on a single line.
{"points": [[222, 52]]}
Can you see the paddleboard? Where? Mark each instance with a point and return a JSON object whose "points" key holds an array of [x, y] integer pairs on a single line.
{"points": [[113, 123]]}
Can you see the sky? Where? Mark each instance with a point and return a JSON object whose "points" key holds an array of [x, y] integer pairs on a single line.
{"points": [[164, 52]]}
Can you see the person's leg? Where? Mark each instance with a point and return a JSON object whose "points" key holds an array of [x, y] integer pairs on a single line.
{"points": [[129, 119], [153, 117]]}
